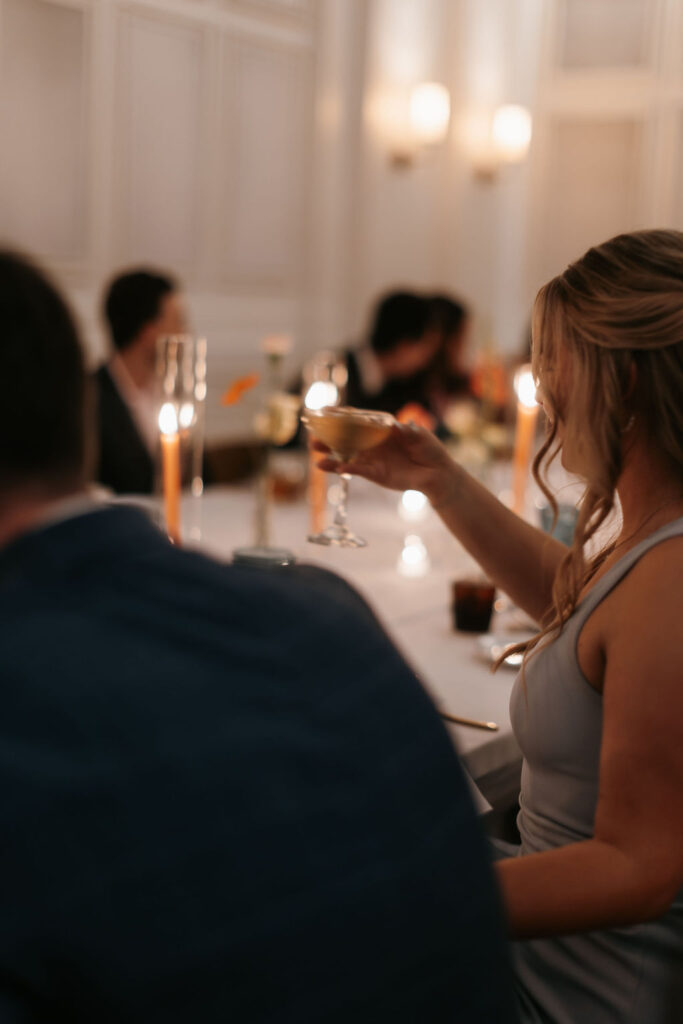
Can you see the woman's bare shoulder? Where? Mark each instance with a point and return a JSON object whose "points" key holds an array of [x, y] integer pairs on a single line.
{"points": [[645, 608], [662, 566]]}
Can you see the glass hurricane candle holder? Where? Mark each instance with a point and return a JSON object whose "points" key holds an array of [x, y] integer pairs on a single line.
{"points": [[324, 383], [181, 392]]}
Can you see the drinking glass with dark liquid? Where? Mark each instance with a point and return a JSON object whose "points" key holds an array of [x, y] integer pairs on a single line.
{"points": [[473, 605], [346, 432]]}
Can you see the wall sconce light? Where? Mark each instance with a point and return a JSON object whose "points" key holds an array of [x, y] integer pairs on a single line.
{"points": [[511, 131], [430, 112], [425, 123], [498, 139]]}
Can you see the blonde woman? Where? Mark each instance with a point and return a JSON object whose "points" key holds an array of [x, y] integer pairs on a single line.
{"points": [[596, 891]]}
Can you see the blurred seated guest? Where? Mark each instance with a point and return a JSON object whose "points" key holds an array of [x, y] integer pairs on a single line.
{"points": [[139, 306], [448, 378], [214, 807], [390, 369]]}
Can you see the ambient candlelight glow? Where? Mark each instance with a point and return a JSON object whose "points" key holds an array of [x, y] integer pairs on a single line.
{"points": [[414, 559], [186, 415], [412, 505]]}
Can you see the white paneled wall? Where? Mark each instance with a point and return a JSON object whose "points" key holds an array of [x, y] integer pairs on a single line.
{"points": [[160, 139], [399, 210], [43, 87], [174, 133], [604, 34], [595, 167], [266, 163], [608, 154], [238, 144]]}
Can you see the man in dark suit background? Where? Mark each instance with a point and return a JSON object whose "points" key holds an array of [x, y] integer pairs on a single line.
{"points": [[139, 306], [390, 369], [213, 806]]}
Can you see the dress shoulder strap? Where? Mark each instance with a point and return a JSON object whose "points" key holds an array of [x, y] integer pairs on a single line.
{"points": [[617, 572]]}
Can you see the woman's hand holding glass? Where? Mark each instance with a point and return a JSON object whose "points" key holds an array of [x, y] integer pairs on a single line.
{"points": [[411, 458]]}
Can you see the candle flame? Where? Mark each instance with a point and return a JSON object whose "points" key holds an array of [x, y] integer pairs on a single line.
{"points": [[320, 394], [168, 420], [525, 387]]}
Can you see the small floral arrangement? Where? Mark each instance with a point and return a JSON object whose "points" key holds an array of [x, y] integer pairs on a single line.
{"points": [[413, 412]]}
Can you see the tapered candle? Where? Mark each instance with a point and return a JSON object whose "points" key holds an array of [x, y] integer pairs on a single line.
{"points": [[527, 413], [170, 469], [320, 394]]}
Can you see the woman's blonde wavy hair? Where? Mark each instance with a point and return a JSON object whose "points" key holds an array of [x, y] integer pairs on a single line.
{"points": [[607, 352]]}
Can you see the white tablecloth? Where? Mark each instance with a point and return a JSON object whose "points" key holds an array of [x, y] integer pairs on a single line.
{"points": [[414, 611]]}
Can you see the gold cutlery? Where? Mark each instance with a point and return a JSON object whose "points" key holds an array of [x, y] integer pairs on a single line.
{"points": [[474, 722]]}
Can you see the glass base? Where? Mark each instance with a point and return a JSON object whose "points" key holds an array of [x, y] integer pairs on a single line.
{"points": [[337, 536], [263, 556]]}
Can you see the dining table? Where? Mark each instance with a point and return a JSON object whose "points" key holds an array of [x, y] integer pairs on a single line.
{"points": [[412, 599]]}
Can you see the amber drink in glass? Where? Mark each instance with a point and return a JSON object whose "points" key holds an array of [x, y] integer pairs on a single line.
{"points": [[346, 432]]}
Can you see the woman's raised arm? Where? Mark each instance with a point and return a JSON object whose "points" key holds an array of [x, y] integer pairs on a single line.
{"points": [[519, 558]]}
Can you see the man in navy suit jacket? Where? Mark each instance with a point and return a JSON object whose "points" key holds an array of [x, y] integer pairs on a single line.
{"points": [[139, 306], [224, 796]]}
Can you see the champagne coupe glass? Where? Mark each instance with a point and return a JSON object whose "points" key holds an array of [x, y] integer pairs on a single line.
{"points": [[346, 432]]}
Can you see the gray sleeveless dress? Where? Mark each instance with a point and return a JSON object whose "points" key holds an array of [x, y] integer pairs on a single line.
{"points": [[628, 975]]}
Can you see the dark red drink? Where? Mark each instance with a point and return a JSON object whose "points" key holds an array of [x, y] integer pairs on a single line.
{"points": [[472, 605]]}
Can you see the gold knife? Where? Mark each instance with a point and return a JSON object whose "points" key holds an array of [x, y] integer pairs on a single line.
{"points": [[474, 722]]}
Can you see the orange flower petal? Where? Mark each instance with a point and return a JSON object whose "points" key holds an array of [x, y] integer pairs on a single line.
{"points": [[239, 387]]}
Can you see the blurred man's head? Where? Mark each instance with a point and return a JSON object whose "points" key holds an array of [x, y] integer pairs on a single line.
{"points": [[403, 336], [452, 319], [449, 314], [140, 306], [42, 445]]}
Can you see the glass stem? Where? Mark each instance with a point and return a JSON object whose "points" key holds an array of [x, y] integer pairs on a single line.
{"points": [[262, 511], [340, 510]]}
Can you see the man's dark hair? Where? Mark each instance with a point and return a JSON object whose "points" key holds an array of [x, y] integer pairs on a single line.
{"points": [[449, 315], [132, 300], [43, 418], [399, 316]]}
